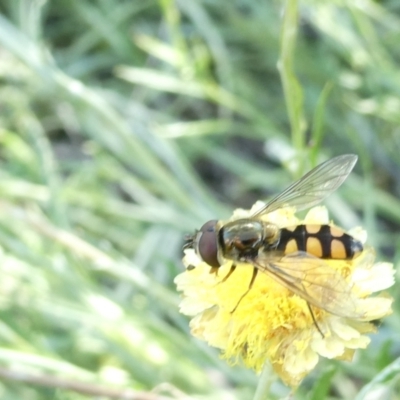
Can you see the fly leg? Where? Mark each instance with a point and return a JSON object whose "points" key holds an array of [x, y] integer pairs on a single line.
{"points": [[232, 269], [215, 271], [253, 278], [314, 320]]}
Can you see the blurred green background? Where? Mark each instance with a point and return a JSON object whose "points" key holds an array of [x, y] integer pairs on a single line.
{"points": [[126, 124]]}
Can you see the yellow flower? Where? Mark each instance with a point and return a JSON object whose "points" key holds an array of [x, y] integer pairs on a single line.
{"points": [[271, 323]]}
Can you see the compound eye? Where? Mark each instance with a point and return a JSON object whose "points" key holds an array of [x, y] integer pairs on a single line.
{"points": [[207, 243]]}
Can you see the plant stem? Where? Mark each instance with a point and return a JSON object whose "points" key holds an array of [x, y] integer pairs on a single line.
{"points": [[267, 377]]}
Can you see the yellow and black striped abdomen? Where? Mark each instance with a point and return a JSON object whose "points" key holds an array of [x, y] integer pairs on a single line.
{"points": [[323, 241]]}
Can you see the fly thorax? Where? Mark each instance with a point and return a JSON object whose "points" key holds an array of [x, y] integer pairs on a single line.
{"points": [[241, 239], [271, 236]]}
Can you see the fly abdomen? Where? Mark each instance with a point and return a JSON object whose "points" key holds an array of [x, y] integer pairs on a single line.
{"points": [[323, 241]]}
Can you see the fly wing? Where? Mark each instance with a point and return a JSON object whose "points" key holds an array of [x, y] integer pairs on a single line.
{"points": [[313, 280], [313, 187]]}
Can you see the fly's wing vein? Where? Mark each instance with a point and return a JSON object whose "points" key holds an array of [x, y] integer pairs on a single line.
{"points": [[313, 187], [313, 280]]}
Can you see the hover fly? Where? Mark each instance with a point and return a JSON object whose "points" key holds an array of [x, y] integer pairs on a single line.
{"points": [[293, 255]]}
